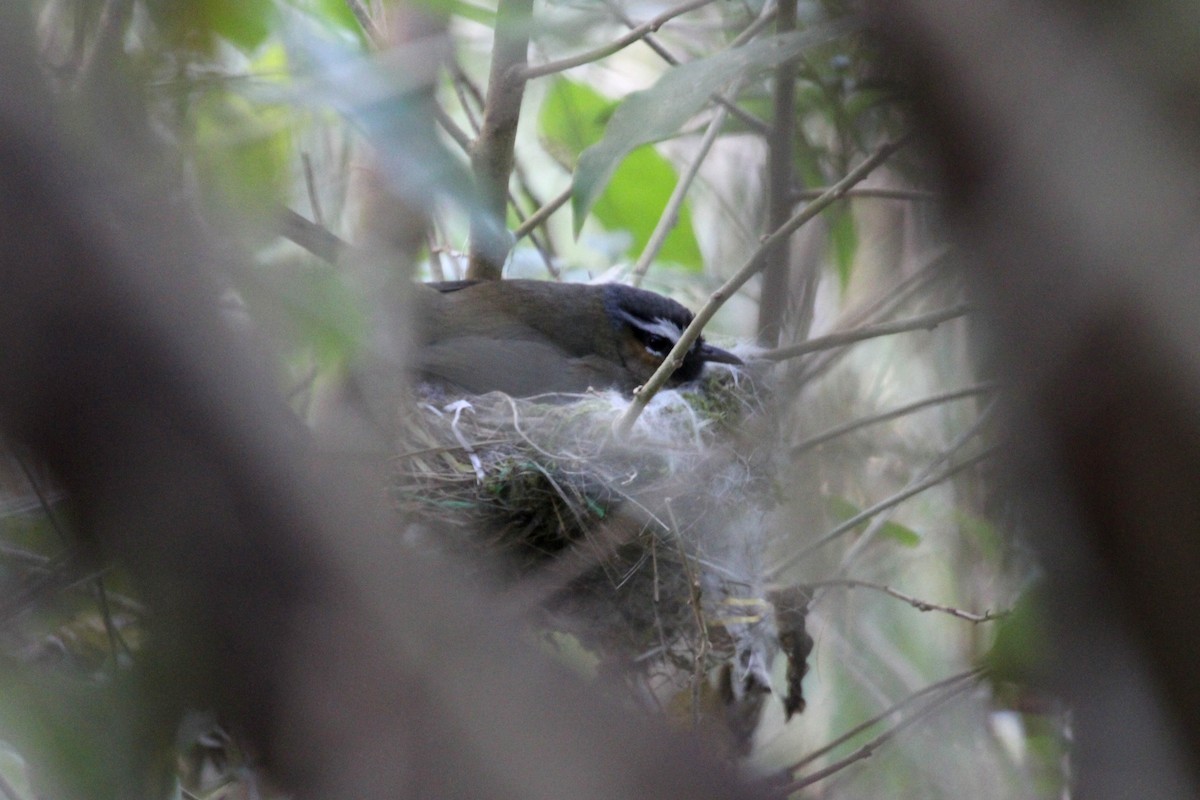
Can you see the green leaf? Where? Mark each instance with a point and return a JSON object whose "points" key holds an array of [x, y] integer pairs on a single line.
{"points": [[571, 119], [635, 198], [1022, 640], [658, 112], [843, 241], [244, 151], [245, 23], [332, 13]]}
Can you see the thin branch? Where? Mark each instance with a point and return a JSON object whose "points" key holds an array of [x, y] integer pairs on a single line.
{"points": [[546, 245], [752, 266], [492, 158], [112, 24], [853, 425], [618, 44], [540, 216], [750, 120], [877, 524], [368, 25], [883, 505], [465, 90], [670, 216], [923, 322], [868, 749], [316, 239], [115, 642], [959, 682], [879, 308], [804, 195], [452, 128], [915, 602], [543, 251]]}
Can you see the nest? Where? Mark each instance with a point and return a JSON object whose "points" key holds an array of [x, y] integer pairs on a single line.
{"points": [[647, 548]]}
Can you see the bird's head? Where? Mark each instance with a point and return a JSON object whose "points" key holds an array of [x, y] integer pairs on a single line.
{"points": [[647, 327]]}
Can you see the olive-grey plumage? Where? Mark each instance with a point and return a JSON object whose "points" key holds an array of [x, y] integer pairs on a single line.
{"points": [[533, 337]]}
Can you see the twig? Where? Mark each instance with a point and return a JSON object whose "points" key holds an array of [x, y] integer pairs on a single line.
{"points": [[462, 87], [923, 322], [540, 216], [768, 15], [803, 195], [492, 158], [452, 128], [318, 240], [883, 505], [314, 200], [853, 425], [966, 679], [620, 43], [111, 26], [755, 263], [877, 309], [958, 444], [670, 215], [115, 642], [545, 247], [368, 25], [917, 603]]}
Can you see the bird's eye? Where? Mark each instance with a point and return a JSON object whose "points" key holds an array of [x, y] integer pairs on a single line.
{"points": [[659, 345]]}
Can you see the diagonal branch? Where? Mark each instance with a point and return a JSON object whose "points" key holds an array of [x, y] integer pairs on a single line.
{"points": [[618, 44], [952, 686], [923, 322], [748, 270], [853, 425]]}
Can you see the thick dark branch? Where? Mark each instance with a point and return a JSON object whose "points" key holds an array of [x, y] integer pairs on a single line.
{"points": [[492, 159], [780, 149]]}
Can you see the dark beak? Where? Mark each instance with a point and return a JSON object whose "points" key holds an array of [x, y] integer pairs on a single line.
{"points": [[709, 353]]}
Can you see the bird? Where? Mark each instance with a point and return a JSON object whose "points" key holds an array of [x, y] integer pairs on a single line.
{"points": [[531, 337]]}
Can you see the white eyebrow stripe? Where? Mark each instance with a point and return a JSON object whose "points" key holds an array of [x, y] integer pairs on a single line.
{"points": [[662, 327]]}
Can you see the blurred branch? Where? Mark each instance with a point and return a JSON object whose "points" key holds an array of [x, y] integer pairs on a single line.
{"points": [[923, 322], [1038, 115], [368, 25], [801, 195], [896, 499], [776, 280], [953, 686], [748, 270], [670, 215], [492, 158], [931, 267], [316, 239], [618, 44], [108, 39], [868, 535], [853, 425], [452, 128]]}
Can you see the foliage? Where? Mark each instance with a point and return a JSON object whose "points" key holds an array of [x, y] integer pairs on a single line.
{"points": [[267, 104]]}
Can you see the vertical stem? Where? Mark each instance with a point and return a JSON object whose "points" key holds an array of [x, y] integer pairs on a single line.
{"points": [[779, 182], [492, 159]]}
